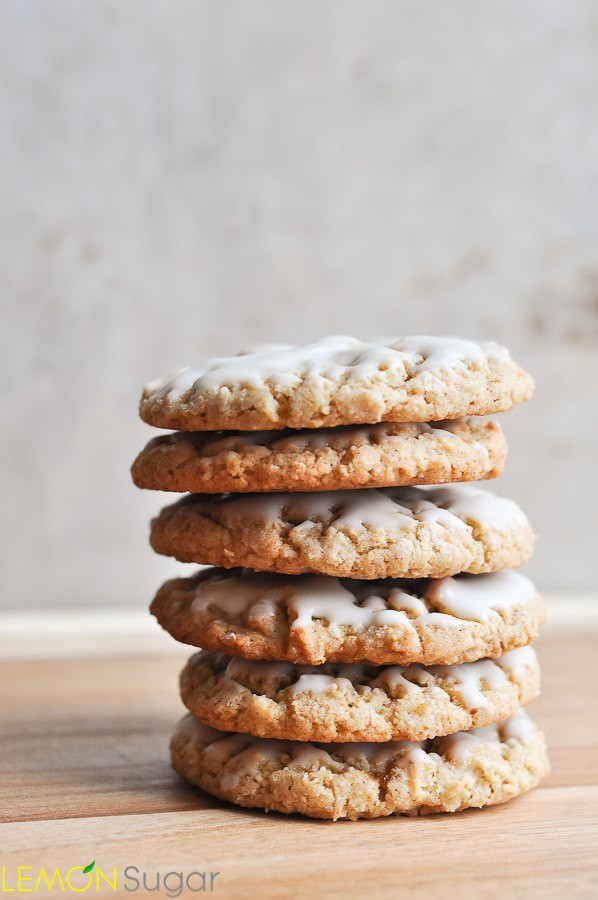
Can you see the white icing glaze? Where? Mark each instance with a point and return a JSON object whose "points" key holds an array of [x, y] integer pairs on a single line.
{"points": [[517, 661], [240, 754], [244, 668], [466, 679], [225, 442], [332, 358], [408, 679], [380, 755], [248, 759], [310, 756], [335, 438], [332, 601], [306, 598], [387, 509], [472, 504], [346, 509], [304, 678], [317, 683], [194, 732], [458, 746], [444, 602], [519, 727], [309, 438], [253, 594], [245, 753], [319, 438], [479, 597], [224, 746]]}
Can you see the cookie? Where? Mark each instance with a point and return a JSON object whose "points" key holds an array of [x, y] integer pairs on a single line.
{"points": [[339, 380], [356, 702], [313, 619], [377, 533], [364, 780], [380, 455]]}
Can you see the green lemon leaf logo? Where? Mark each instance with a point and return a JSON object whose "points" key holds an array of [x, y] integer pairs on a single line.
{"points": [[89, 867]]}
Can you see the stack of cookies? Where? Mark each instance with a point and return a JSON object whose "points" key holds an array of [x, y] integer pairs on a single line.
{"points": [[365, 636]]}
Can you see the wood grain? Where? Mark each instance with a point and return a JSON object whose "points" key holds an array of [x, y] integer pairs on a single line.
{"points": [[84, 775]]}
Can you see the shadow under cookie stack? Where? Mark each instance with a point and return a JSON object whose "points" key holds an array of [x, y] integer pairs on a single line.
{"points": [[366, 638]]}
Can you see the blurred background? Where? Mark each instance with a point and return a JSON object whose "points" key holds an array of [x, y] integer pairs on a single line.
{"points": [[182, 178]]}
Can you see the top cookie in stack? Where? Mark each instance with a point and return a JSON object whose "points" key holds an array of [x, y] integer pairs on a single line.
{"points": [[339, 381], [326, 445]]}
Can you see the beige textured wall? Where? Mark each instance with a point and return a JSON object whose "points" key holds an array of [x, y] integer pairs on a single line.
{"points": [[182, 178]]}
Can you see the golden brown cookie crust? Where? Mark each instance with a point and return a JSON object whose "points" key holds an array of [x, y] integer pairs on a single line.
{"points": [[381, 455], [353, 781], [386, 533], [272, 617], [356, 703], [339, 381]]}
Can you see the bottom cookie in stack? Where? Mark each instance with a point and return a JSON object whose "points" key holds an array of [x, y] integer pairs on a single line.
{"points": [[473, 768]]}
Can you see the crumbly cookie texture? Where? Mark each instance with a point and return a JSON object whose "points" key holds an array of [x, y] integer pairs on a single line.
{"points": [[356, 702], [339, 380], [377, 533], [313, 619], [386, 454], [364, 780]]}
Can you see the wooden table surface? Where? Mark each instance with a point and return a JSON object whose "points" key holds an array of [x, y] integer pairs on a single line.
{"points": [[84, 775]]}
